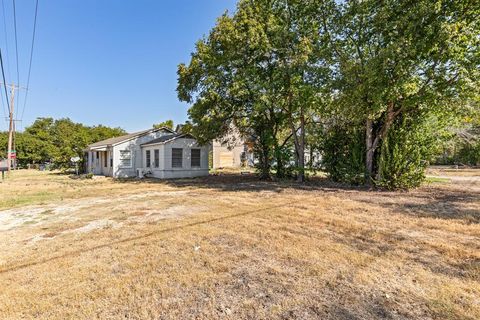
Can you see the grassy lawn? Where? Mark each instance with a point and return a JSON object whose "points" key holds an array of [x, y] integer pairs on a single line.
{"points": [[230, 246]]}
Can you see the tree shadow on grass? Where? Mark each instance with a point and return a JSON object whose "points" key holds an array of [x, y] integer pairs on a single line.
{"points": [[456, 203], [450, 203], [249, 183]]}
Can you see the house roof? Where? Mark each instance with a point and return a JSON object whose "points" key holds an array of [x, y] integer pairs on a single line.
{"points": [[168, 138], [117, 140]]}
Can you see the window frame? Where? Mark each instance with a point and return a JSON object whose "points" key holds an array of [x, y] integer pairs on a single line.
{"points": [[156, 158], [199, 165], [122, 158], [175, 165], [148, 159]]}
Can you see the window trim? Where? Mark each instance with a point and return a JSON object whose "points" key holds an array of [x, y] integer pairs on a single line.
{"points": [[156, 158], [199, 158], [121, 159], [148, 159], [181, 158]]}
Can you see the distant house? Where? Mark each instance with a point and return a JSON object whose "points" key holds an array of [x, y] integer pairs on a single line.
{"points": [[159, 153], [229, 156], [232, 151]]}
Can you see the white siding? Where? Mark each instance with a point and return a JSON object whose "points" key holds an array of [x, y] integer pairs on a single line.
{"points": [[138, 159], [136, 154], [166, 171]]}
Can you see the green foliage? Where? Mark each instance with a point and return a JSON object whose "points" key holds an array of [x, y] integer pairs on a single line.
{"points": [[56, 141], [167, 123], [469, 154], [343, 154], [405, 154], [256, 70], [284, 72]]}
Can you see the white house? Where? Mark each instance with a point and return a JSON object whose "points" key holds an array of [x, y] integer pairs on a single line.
{"points": [[160, 153]]}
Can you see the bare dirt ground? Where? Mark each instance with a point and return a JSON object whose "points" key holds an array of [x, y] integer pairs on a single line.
{"points": [[233, 247]]}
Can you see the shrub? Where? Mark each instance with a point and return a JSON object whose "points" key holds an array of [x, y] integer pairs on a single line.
{"points": [[343, 152], [404, 155]]}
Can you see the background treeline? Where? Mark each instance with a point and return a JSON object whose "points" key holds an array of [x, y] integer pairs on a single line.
{"points": [[55, 141], [378, 87], [460, 145]]}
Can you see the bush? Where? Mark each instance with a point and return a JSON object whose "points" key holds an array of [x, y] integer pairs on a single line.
{"points": [[469, 154], [404, 155], [343, 150]]}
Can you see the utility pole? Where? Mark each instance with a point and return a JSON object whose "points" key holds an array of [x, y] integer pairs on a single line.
{"points": [[11, 152], [11, 128]]}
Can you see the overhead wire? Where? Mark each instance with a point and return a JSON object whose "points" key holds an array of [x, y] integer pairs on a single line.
{"points": [[6, 38], [4, 82], [5, 112], [16, 47], [30, 63]]}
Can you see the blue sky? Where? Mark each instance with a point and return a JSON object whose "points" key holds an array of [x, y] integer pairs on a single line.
{"points": [[106, 61]]}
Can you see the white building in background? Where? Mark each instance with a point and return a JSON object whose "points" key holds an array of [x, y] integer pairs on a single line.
{"points": [[159, 153], [232, 151]]}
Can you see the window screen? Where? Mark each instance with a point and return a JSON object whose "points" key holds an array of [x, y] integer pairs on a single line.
{"points": [[125, 158], [195, 158], [148, 158], [177, 157], [157, 158]]}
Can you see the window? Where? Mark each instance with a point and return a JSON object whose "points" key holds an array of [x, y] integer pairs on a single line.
{"points": [[195, 158], [125, 158], [97, 159], [148, 158], [105, 160], [156, 155], [177, 157]]}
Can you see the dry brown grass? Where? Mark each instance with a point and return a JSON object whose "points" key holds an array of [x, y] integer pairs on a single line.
{"points": [[236, 248]]}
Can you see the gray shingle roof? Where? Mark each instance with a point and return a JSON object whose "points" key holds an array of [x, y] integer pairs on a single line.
{"points": [[112, 141], [168, 137]]}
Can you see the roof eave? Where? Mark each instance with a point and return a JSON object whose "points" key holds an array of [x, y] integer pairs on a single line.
{"points": [[142, 134], [183, 135]]}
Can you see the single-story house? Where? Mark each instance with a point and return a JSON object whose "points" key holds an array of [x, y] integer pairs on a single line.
{"points": [[159, 153]]}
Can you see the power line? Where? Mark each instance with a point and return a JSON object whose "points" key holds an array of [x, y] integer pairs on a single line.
{"points": [[3, 105], [6, 37], [31, 57], [4, 82], [16, 42]]}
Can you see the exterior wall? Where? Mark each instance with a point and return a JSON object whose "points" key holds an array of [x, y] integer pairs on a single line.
{"points": [[136, 154], [166, 171], [221, 152], [97, 166], [94, 163]]}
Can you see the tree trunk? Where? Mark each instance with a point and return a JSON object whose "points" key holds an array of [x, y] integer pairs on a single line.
{"points": [[311, 158], [383, 134], [373, 139], [370, 151], [278, 158], [301, 151], [262, 150], [265, 165]]}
